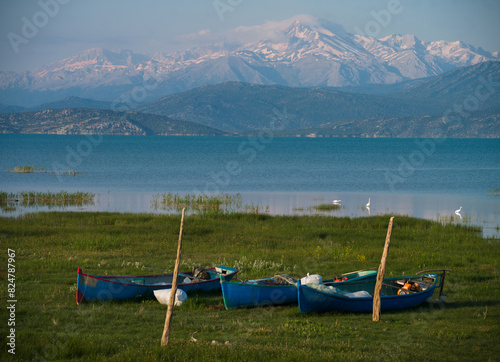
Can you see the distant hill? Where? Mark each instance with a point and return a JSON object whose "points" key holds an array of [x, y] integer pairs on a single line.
{"points": [[239, 106], [245, 107], [458, 85], [97, 121], [383, 89], [463, 102], [478, 125], [68, 102], [11, 109], [72, 102]]}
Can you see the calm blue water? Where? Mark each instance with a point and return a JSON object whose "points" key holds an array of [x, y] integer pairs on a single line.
{"points": [[422, 178]]}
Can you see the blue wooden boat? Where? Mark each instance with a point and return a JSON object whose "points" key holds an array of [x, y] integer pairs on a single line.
{"points": [[357, 296], [279, 290], [103, 287]]}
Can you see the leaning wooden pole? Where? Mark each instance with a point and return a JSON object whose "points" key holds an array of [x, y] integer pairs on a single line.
{"points": [[380, 274], [170, 309]]}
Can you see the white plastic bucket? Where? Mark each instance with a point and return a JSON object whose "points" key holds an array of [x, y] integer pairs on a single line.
{"points": [[312, 279]]}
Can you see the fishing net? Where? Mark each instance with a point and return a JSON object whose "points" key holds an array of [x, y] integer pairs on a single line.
{"points": [[200, 273], [281, 279], [284, 279]]}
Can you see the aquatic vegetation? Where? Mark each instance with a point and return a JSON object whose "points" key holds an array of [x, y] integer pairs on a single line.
{"points": [[11, 201], [326, 207], [494, 192], [255, 209], [28, 169], [222, 203], [43, 169]]}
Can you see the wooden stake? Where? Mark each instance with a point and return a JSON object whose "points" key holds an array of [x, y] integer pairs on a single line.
{"points": [[170, 309], [380, 274]]}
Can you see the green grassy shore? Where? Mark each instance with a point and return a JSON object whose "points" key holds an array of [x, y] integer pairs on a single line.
{"points": [[49, 247]]}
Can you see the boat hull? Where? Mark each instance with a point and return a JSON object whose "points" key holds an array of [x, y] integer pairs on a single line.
{"points": [[313, 300], [253, 293], [246, 295], [121, 287]]}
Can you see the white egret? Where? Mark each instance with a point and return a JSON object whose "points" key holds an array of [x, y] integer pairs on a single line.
{"points": [[458, 211], [336, 202], [368, 204]]}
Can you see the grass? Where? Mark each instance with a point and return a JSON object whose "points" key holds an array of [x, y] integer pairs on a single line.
{"points": [[49, 247]]}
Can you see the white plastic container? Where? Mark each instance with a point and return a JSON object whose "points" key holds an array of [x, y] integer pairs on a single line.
{"points": [[312, 279]]}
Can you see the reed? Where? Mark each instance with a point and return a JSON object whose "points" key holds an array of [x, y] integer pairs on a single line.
{"points": [[12, 201], [43, 169], [197, 203], [326, 207], [28, 169], [255, 209], [202, 204], [494, 192]]}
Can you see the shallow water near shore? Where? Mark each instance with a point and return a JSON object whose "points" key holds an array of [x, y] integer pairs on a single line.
{"points": [[281, 176]]}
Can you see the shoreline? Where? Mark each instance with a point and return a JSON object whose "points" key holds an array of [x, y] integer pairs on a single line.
{"points": [[477, 210]]}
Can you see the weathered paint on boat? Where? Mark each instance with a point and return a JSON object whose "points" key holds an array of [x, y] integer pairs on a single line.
{"points": [[105, 287], [253, 293], [314, 300]]}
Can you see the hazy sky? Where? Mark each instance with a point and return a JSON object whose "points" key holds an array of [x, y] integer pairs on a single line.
{"points": [[38, 32]]}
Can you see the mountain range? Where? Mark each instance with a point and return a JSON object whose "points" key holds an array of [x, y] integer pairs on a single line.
{"points": [[464, 102], [300, 77], [236, 106], [299, 52]]}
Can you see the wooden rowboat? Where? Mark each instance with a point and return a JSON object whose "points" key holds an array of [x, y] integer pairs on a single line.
{"points": [[356, 297], [279, 290], [103, 287]]}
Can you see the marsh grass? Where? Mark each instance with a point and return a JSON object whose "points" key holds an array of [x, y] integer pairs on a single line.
{"points": [[453, 219], [28, 169], [43, 169], [205, 204], [12, 201], [494, 192], [223, 202], [326, 207], [51, 246]]}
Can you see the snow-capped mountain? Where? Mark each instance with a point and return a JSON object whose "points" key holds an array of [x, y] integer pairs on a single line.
{"points": [[302, 51]]}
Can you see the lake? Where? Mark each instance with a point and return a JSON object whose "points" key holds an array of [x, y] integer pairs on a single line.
{"points": [[427, 178]]}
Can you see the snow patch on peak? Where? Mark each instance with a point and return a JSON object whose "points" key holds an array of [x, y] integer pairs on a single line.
{"points": [[407, 41]]}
